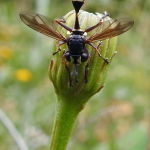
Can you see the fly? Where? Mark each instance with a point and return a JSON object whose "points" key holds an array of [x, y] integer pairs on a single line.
{"points": [[77, 51]]}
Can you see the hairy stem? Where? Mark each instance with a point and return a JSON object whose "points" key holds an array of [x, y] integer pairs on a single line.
{"points": [[67, 111]]}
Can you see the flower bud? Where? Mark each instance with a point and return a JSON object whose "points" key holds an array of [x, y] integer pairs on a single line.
{"points": [[97, 69]]}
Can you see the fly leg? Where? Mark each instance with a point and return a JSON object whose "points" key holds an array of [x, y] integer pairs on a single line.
{"points": [[86, 67], [101, 21], [98, 51], [59, 21], [105, 15], [93, 27], [64, 54], [59, 47]]}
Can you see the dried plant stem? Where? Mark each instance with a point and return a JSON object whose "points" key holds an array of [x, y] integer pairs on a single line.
{"points": [[13, 131]]}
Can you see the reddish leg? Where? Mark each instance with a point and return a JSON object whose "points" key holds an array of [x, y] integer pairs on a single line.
{"points": [[64, 26], [98, 52], [93, 27], [90, 29], [59, 47], [62, 20]]}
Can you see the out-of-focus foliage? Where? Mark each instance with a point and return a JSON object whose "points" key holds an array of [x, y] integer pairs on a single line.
{"points": [[117, 118]]}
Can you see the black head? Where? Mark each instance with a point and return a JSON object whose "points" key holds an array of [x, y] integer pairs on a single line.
{"points": [[77, 4]]}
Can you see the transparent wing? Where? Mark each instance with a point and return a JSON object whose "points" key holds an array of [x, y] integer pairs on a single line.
{"points": [[111, 28], [41, 24]]}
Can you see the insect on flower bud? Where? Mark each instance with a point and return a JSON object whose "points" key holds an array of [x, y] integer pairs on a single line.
{"points": [[88, 48], [97, 69], [82, 53]]}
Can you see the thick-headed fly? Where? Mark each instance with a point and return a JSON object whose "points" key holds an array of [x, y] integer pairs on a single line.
{"points": [[77, 51]]}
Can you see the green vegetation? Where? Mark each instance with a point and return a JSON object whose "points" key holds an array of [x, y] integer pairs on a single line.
{"points": [[117, 118]]}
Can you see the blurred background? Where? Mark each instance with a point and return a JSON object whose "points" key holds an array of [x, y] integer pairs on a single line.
{"points": [[117, 118]]}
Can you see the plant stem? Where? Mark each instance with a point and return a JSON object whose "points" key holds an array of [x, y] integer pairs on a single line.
{"points": [[13, 131], [67, 111]]}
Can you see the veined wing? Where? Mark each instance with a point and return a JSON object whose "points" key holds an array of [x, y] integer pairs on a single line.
{"points": [[111, 28], [41, 24]]}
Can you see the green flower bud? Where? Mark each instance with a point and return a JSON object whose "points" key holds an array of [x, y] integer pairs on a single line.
{"points": [[98, 69], [71, 100]]}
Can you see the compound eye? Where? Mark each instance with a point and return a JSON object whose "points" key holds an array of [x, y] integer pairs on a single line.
{"points": [[84, 57], [67, 56]]}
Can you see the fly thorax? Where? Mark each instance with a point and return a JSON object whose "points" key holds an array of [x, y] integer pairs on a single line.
{"points": [[76, 45]]}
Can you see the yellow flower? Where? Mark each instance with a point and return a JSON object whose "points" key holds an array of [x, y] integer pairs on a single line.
{"points": [[5, 52], [23, 75]]}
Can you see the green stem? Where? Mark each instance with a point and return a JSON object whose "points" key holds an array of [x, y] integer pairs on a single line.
{"points": [[67, 111]]}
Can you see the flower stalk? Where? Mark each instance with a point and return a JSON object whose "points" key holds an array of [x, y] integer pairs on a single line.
{"points": [[71, 100]]}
